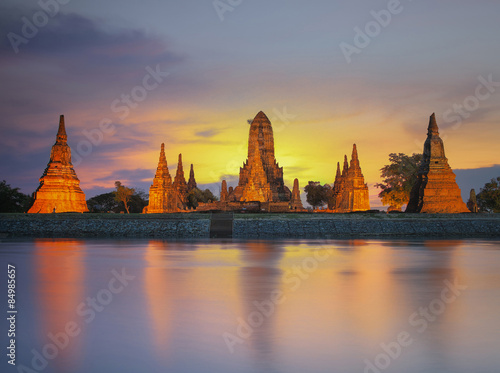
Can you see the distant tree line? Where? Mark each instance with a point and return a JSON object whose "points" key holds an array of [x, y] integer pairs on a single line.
{"points": [[12, 200], [123, 199], [130, 200]]}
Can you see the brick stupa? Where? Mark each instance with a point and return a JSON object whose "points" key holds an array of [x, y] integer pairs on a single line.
{"points": [[59, 189], [296, 202], [180, 184], [261, 178], [436, 190], [162, 195], [350, 193], [192, 181], [223, 191]]}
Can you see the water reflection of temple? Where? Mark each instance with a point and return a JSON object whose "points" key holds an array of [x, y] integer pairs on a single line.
{"points": [[260, 276], [59, 267], [158, 286]]}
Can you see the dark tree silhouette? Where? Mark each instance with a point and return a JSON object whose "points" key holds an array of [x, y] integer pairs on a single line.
{"points": [[488, 198], [398, 178]]}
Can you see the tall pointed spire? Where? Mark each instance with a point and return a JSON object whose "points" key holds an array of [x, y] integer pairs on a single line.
{"points": [[163, 159], [335, 200], [355, 168], [180, 184], [337, 176], [61, 138], [162, 173], [192, 181], [179, 175], [433, 127], [346, 166], [354, 152]]}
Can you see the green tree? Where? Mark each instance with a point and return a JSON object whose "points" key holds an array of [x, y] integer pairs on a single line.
{"points": [[138, 201], [12, 200], [123, 194], [106, 202], [317, 195], [488, 198], [398, 179], [102, 203], [196, 196]]}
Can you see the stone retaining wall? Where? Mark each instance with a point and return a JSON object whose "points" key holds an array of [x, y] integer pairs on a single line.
{"points": [[334, 228], [87, 227], [246, 226]]}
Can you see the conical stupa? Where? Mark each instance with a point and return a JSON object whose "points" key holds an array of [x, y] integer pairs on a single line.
{"points": [[296, 202], [436, 190], [350, 193], [59, 189], [180, 184], [162, 196], [192, 181]]}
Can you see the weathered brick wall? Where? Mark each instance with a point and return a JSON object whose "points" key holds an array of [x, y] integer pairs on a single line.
{"points": [[251, 226], [89, 227], [333, 227]]}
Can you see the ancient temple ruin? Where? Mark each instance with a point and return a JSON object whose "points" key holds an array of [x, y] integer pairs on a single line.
{"points": [[296, 202], [164, 195], [261, 177], [192, 181], [350, 193], [472, 202], [436, 190], [261, 186], [180, 184], [59, 189]]}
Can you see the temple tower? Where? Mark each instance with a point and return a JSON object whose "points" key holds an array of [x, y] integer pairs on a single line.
{"points": [[350, 193], [296, 202], [192, 181], [59, 189], [472, 202], [358, 198], [336, 190], [261, 178], [436, 190], [223, 191], [162, 196]]}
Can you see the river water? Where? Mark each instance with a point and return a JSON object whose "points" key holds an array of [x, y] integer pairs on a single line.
{"points": [[91, 306]]}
